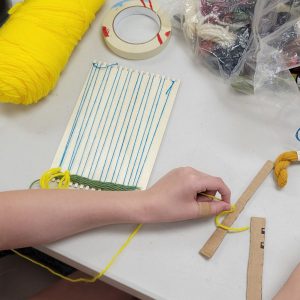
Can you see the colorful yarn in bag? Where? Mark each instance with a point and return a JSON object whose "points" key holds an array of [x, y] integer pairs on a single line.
{"points": [[36, 42]]}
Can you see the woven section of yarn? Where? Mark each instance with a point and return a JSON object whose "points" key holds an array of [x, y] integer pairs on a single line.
{"points": [[281, 164], [66, 180], [36, 43]]}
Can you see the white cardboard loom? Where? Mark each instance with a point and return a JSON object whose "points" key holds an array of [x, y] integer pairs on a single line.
{"points": [[117, 126]]}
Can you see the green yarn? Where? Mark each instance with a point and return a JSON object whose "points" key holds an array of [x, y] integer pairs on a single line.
{"points": [[33, 183], [99, 185], [95, 184]]}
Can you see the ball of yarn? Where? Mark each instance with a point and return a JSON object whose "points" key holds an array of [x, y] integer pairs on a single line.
{"points": [[36, 42], [281, 164]]}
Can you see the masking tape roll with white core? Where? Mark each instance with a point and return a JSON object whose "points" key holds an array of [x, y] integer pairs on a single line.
{"points": [[129, 50]]}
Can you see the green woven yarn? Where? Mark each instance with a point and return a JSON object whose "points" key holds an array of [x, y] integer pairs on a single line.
{"points": [[95, 184], [99, 185]]}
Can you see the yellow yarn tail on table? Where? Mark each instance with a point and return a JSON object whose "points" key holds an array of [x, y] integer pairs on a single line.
{"points": [[36, 42]]}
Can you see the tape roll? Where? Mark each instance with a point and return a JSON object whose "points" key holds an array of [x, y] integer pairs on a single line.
{"points": [[129, 50]]}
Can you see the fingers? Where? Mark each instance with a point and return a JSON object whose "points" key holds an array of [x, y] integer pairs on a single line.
{"points": [[217, 184], [208, 209], [206, 183], [202, 198]]}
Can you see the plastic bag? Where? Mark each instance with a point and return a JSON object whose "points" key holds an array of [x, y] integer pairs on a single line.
{"points": [[218, 31], [274, 48], [250, 43]]}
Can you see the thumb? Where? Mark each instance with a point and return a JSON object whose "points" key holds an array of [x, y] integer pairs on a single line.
{"points": [[207, 209]]}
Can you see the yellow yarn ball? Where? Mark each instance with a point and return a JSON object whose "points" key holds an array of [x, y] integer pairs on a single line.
{"points": [[36, 42]]}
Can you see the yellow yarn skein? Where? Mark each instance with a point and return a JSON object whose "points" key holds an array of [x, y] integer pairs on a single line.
{"points": [[36, 42], [281, 164]]}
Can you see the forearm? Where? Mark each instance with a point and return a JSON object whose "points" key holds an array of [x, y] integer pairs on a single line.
{"points": [[33, 217], [291, 289]]}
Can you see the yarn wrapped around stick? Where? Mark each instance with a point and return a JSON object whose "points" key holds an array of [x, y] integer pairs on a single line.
{"points": [[36, 43], [281, 164]]}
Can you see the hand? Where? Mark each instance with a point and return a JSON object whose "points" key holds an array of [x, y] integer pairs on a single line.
{"points": [[176, 196]]}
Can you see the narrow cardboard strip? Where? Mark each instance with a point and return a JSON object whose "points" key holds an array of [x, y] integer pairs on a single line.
{"points": [[256, 259]]}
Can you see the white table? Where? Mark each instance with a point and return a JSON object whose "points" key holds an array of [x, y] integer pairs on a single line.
{"points": [[212, 129]]}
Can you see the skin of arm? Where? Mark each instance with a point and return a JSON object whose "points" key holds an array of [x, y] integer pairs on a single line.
{"points": [[291, 289], [34, 217]]}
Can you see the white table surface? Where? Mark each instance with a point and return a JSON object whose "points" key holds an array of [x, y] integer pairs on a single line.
{"points": [[212, 129]]}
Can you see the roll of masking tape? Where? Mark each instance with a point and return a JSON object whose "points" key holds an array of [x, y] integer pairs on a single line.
{"points": [[129, 50]]}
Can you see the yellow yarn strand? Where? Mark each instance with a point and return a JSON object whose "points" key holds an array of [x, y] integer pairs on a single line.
{"points": [[223, 213], [211, 196], [281, 164], [230, 229], [36, 42], [64, 182], [51, 174], [86, 280]]}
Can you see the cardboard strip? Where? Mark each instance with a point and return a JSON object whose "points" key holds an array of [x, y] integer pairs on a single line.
{"points": [[256, 259], [217, 237]]}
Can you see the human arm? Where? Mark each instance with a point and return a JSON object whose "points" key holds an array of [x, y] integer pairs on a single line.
{"points": [[33, 217], [291, 289]]}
